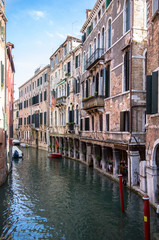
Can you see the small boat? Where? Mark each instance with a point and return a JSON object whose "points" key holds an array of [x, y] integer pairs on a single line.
{"points": [[24, 145], [16, 142], [54, 155], [16, 152]]}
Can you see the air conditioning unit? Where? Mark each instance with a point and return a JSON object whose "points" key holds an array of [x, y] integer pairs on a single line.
{"points": [[33, 125]]}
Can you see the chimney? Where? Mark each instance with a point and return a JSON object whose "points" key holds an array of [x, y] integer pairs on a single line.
{"points": [[88, 11]]}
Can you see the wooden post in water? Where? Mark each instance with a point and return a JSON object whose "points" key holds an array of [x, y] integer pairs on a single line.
{"points": [[121, 192], [146, 217]]}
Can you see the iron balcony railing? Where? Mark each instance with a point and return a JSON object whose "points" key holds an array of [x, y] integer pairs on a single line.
{"points": [[93, 59]]}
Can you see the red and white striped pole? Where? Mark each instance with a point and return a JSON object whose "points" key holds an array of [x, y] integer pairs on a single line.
{"points": [[146, 217], [121, 192]]}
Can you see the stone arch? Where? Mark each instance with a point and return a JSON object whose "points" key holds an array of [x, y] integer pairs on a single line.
{"points": [[155, 169]]}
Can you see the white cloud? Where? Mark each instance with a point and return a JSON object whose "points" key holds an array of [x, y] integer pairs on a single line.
{"points": [[36, 15], [61, 35], [49, 34]]}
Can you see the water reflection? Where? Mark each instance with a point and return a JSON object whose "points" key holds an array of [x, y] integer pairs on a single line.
{"points": [[63, 199]]}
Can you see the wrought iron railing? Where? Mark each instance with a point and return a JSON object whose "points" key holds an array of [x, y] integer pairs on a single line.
{"points": [[98, 53]]}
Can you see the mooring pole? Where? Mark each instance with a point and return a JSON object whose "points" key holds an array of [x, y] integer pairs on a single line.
{"points": [[146, 217], [121, 192]]}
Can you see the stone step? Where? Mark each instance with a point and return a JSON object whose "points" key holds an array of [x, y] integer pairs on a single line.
{"points": [[155, 236]]}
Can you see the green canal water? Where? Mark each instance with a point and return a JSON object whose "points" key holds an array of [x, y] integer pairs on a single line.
{"points": [[64, 199]]}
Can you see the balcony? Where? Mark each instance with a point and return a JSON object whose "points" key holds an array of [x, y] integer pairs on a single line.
{"points": [[94, 58], [93, 102], [61, 101]]}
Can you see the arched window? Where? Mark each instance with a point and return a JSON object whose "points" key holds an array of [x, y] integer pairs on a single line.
{"points": [[109, 33], [126, 71]]}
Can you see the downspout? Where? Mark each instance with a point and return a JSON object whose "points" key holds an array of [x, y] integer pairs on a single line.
{"points": [[130, 124]]}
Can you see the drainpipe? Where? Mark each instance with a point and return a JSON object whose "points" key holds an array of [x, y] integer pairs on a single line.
{"points": [[130, 124]]}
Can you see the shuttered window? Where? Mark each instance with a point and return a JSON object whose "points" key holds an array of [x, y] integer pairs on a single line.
{"points": [[107, 2], [127, 17], [126, 71], [107, 122], [81, 125], [107, 81], [41, 118], [92, 123], [44, 118], [124, 121], [86, 124], [101, 122]]}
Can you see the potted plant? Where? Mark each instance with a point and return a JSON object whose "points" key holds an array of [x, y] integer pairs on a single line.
{"points": [[95, 93]]}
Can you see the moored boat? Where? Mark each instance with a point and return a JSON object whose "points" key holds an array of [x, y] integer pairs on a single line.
{"points": [[54, 155], [16, 152]]}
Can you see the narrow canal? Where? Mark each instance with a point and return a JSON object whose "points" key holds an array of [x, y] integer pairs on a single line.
{"points": [[64, 199]]}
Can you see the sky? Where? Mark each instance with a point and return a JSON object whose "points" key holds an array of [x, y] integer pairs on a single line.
{"points": [[37, 28]]}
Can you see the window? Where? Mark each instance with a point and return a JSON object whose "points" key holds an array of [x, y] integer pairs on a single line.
{"points": [[109, 30], [107, 3], [77, 61], [55, 59], [99, 15], [41, 97], [127, 15], [86, 124], [77, 114], [107, 81], [38, 82], [103, 37], [98, 41], [45, 95], [124, 121], [68, 89], [41, 81], [84, 62], [81, 125], [155, 6], [45, 77], [107, 122], [152, 102], [95, 21], [126, 71], [41, 118], [92, 123], [44, 118], [101, 122], [41, 136], [103, 9], [52, 63], [69, 67], [65, 50]]}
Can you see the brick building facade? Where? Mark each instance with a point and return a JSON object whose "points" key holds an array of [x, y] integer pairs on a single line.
{"points": [[33, 109], [113, 88], [152, 126], [65, 77]]}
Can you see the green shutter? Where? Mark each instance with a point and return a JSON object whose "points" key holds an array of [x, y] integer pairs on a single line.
{"points": [[148, 94], [154, 92]]}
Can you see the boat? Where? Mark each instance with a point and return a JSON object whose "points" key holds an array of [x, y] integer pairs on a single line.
{"points": [[54, 155], [24, 145], [16, 152], [16, 142]]}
